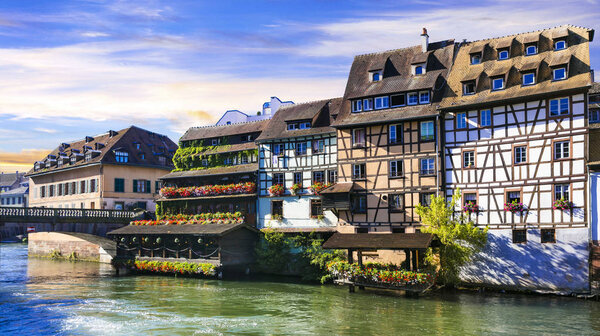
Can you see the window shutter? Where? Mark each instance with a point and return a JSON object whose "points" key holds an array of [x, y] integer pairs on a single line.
{"points": [[135, 186], [148, 191]]}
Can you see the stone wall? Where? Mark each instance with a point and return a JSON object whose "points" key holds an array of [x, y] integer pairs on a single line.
{"points": [[86, 247]]}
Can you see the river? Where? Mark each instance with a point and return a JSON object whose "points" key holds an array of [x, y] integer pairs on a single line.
{"points": [[46, 297]]}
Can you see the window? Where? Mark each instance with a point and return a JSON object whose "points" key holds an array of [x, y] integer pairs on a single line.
{"points": [[396, 202], [561, 150], [461, 120], [468, 88], [119, 205], [427, 166], [395, 133], [214, 142], [425, 198], [244, 159], [162, 160], [561, 191], [43, 191], [298, 178], [277, 208], [396, 168], [359, 204], [559, 106], [137, 145], [513, 196], [367, 104], [520, 154], [560, 45], [93, 185], [318, 146], [316, 208], [278, 149], [424, 97], [59, 163], [418, 70], [358, 137], [531, 50], [398, 100], [469, 159], [305, 125], [497, 83], [594, 116], [51, 191], [119, 185], [358, 171], [122, 157], [519, 236], [376, 76], [278, 178], [485, 118], [332, 176], [475, 58], [82, 185], [357, 105], [426, 131], [156, 187], [559, 73], [301, 148], [228, 161], [205, 162], [548, 236], [74, 160], [413, 98], [292, 126], [382, 102], [88, 156], [469, 198], [529, 78], [503, 54], [318, 176], [141, 186]]}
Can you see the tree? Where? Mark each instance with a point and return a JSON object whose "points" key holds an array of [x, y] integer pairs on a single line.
{"points": [[459, 238]]}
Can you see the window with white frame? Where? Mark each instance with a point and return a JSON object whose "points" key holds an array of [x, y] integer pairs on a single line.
{"points": [[305, 125], [278, 178], [376, 76], [476, 58], [561, 150], [513, 196], [358, 137], [413, 98], [531, 50], [427, 166], [301, 148], [560, 45], [497, 83], [214, 142], [561, 191], [426, 130], [529, 78], [278, 149], [559, 73], [121, 157], [332, 176], [468, 88], [424, 97], [520, 154], [357, 105], [367, 104], [395, 133], [396, 202], [396, 168], [418, 69], [461, 120], [318, 146], [594, 116], [503, 54], [485, 118], [468, 159], [398, 100], [559, 106], [358, 171], [382, 102], [318, 176]]}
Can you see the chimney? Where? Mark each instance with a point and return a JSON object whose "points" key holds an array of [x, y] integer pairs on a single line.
{"points": [[424, 40]]}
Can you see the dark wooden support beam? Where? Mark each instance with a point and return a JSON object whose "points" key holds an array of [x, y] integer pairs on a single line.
{"points": [[360, 263], [351, 261]]}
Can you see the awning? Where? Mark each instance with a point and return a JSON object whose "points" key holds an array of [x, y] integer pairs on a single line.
{"points": [[476, 49], [382, 241], [342, 187], [499, 70], [560, 33], [191, 229], [559, 58], [529, 66], [531, 38], [504, 44], [473, 74]]}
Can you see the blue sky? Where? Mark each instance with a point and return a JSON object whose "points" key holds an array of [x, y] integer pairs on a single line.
{"points": [[75, 68]]}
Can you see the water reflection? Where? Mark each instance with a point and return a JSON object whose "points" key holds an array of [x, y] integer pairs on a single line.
{"points": [[45, 297]]}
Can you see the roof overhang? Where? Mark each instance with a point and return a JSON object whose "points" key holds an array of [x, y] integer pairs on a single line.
{"points": [[380, 241]]}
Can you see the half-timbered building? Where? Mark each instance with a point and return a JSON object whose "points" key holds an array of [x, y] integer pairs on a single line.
{"points": [[388, 145], [515, 137], [298, 158]]}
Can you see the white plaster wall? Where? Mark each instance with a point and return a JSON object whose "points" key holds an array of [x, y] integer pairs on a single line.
{"points": [[296, 213], [562, 266]]}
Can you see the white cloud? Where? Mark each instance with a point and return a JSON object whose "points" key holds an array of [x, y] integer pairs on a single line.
{"points": [[94, 34], [45, 130]]}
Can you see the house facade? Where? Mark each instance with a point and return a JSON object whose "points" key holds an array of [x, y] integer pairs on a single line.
{"points": [[114, 170], [14, 189], [268, 110], [594, 163], [515, 136], [297, 159]]}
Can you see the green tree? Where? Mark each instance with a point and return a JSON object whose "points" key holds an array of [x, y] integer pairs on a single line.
{"points": [[459, 237]]}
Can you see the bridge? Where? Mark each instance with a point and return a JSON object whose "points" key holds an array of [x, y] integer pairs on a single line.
{"points": [[15, 221]]}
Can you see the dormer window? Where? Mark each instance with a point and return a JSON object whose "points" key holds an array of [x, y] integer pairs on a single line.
{"points": [[367, 104], [559, 73], [36, 166], [497, 83], [531, 49], [73, 159], [162, 160], [424, 97], [503, 54], [137, 145], [376, 76], [382, 102], [398, 100], [88, 156], [475, 58], [468, 88], [418, 69], [560, 45], [528, 78], [357, 105], [121, 157], [143, 156], [59, 163]]}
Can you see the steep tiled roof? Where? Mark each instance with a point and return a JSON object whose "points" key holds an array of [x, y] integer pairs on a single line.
{"points": [[595, 88], [152, 145], [397, 77], [206, 132], [318, 112], [576, 56], [16, 191], [8, 179]]}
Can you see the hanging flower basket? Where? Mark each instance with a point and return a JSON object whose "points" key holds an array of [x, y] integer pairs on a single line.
{"points": [[295, 188], [318, 187], [470, 207], [276, 190], [514, 207], [562, 204]]}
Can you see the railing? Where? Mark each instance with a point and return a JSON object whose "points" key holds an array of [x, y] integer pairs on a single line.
{"points": [[58, 215]]}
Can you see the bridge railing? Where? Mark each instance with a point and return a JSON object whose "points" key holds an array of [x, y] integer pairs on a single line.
{"points": [[55, 214]]}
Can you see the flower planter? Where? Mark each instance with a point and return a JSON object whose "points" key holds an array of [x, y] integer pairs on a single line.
{"points": [[514, 207], [204, 218], [470, 207], [276, 190], [209, 190], [318, 187], [562, 204]]}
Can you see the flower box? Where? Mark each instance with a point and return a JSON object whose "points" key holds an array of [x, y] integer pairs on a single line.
{"points": [[295, 188], [203, 218], [276, 190], [209, 190], [470, 207], [562, 204], [318, 187], [514, 207]]}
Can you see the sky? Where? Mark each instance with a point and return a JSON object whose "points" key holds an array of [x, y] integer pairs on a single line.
{"points": [[74, 68]]}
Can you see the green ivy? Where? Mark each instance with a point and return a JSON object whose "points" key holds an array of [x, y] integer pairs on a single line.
{"points": [[190, 158]]}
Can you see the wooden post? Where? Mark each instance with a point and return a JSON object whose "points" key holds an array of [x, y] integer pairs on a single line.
{"points": [[359, 257], [190, 251], [350, 261], [414, 260], [164, 248], [417, 259]]}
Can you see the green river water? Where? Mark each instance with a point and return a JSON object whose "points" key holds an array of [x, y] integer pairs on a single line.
{"points": [[45, 297]]}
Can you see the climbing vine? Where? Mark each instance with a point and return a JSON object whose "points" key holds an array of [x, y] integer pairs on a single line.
{"points": [[190, 158]]}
